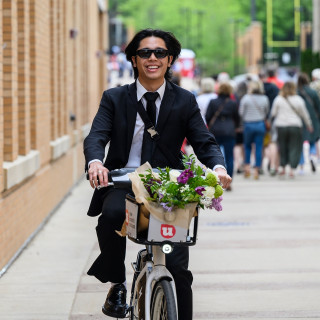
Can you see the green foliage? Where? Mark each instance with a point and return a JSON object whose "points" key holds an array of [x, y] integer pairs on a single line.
{"points": [[309, 61], [218, 191], [175, 189], [207, 26], [283, 18], [211, 180]]}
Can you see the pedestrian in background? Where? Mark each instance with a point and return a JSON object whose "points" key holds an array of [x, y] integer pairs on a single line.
{"points": [[289, 113], [272, 78], [206, 94], [315, 84], [223, 119], [312, 102], [254, 108], [271, 150], [240, 91]]}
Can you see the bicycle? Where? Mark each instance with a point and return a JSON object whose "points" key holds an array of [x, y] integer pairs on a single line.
{"points": [[153, 293]]}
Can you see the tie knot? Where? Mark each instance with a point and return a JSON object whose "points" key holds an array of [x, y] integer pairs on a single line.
{"points": [[151, 96]]}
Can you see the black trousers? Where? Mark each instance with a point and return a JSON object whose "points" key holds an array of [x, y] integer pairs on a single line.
{"points": [[290, 142], [110, 264]]}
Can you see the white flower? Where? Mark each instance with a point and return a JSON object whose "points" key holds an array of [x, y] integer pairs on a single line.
{"points": [[186, 187], [174, 174], [209, 192], [206, 201]]}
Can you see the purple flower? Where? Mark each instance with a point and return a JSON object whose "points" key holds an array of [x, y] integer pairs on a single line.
{"points": [[185, 176], [164, 205], [150, 183], [189, 163], [216, 203], [199, 190]]}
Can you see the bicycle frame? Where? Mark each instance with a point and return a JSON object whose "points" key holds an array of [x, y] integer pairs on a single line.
{"points": [[154, 271]]}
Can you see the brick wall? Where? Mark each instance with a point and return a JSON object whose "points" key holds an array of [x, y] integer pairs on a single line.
{"points": [[49, 69], [10, 74], [23, 78], [1, 106]]}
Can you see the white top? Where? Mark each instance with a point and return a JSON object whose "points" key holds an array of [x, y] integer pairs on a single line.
{"points": [[254, 107], [285, 116], [203, 102]]}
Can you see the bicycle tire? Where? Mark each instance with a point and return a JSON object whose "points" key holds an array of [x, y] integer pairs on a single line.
{"points": [[163, 304]]}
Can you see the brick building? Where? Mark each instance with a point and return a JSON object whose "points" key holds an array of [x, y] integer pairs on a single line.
{"points": [[250, 47], [52, 74]]}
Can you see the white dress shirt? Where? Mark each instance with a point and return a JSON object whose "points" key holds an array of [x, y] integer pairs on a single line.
{"points": [[136, 145]]}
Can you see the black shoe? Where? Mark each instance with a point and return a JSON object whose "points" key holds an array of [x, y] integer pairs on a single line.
{"points": [[115, 305], [313, 166]]}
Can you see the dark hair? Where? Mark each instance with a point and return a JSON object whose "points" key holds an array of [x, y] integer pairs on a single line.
{"points": [[172, 44], [303, 80], [271, 73]]}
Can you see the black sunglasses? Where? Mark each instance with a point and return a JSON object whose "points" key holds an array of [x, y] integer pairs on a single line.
{"points": [[146, 53]]}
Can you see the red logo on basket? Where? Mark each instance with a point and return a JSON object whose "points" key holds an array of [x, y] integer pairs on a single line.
{"points": [[127, 216], [167, 231]]}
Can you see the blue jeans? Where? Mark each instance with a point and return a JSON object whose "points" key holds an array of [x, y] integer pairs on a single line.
{"points": [[312, 151], [226, 145], [254, 133]]}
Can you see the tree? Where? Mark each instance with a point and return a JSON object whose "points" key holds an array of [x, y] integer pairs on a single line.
{"points": [[205, 26]]}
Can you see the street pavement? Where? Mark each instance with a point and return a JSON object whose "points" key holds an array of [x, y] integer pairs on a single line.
{"points": [[257, 259]]}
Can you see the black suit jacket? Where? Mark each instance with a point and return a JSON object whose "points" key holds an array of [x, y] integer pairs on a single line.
{"points": [[179, 118]]}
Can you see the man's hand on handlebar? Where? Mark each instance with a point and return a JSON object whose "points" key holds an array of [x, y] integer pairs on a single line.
{"points": [[225, 179], [98, 175]]}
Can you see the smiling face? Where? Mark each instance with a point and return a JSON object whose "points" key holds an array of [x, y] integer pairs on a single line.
{"points": [[152, 70]]}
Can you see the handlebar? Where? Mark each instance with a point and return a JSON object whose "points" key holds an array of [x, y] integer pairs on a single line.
{"points": [[119, 177]]}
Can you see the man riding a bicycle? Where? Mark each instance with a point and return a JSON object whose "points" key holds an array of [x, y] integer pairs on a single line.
{"points": [[175, 116]]}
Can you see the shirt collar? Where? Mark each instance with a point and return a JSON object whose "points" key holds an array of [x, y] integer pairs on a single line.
{"points": [[141, 90]]}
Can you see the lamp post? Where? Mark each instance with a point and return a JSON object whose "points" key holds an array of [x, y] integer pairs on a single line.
{"points": [[297, 34], [187, 18], [199, 27]]}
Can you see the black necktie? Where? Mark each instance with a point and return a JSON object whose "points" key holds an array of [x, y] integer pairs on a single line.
{"points": [[147, 144]]}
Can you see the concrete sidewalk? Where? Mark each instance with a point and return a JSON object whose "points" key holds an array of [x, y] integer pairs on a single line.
{"points": [[259, 258]]}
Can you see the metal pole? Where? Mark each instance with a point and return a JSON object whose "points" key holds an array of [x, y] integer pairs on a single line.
{"points": [[253, 10], [235, 63], [188, 26]]}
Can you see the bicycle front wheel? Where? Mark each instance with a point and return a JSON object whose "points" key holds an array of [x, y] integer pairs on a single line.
{"points": [[163, 304]]}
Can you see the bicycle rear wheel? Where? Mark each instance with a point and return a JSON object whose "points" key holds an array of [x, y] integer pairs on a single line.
{"points": [[163, 304]]}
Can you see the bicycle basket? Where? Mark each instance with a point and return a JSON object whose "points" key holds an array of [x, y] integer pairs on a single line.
{"points": [[147, 229]]}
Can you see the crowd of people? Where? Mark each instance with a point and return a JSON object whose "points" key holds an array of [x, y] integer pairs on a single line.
{"points": [[262, 123]]}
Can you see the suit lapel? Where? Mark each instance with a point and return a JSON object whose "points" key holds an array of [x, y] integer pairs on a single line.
{"points": [[131, 114], [166, 107]]}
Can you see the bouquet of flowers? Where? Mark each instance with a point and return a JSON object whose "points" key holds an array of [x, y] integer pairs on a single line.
{"points": [[174, 189]]}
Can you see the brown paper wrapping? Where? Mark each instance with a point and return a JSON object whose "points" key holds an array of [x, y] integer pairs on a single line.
{"points": [[178, 217]]}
